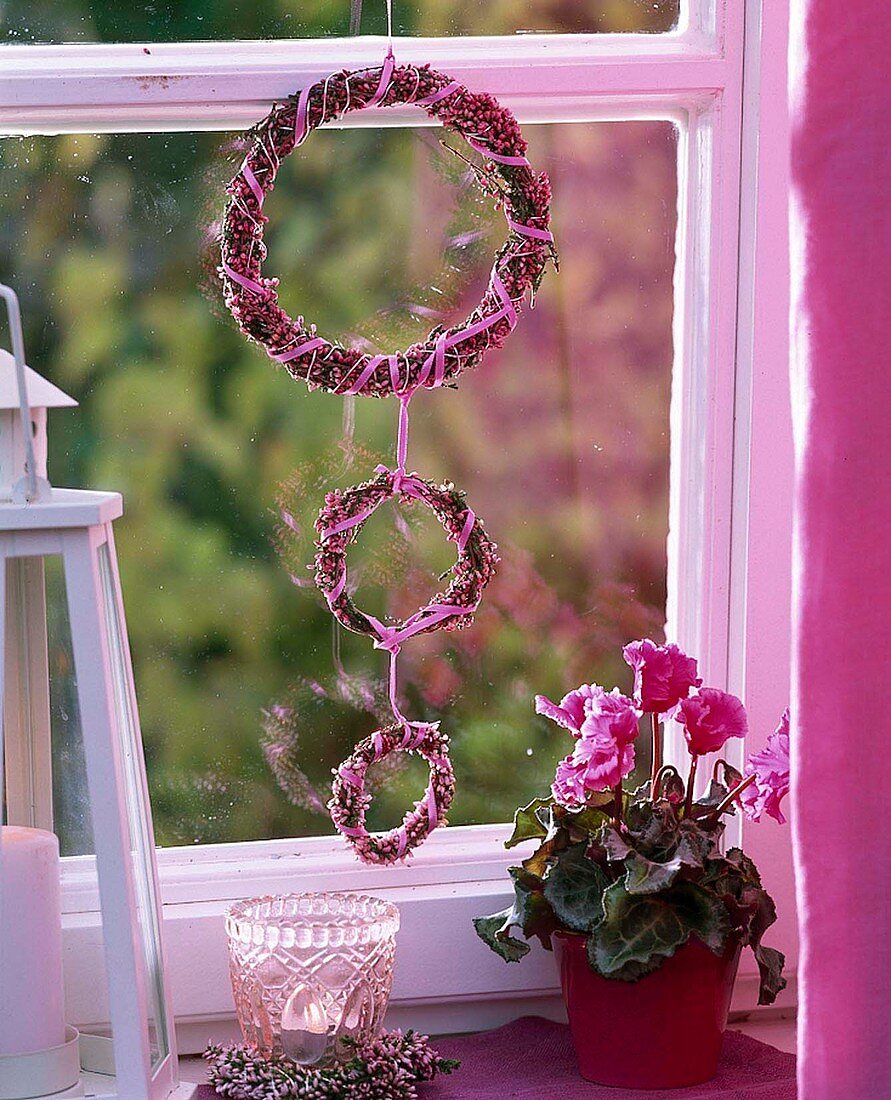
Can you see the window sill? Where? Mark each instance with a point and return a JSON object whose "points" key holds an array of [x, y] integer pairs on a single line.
{"points": [[446, 980]]}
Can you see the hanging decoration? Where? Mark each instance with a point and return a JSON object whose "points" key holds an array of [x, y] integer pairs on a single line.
{"points": [[524, 196]]}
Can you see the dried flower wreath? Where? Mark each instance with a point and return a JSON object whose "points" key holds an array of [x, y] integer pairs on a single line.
{"points": [[507, 176], [350, 800], [524, 196]]}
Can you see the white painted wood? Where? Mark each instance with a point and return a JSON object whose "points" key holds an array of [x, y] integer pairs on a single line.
{"points": [[165, 1075], [221, 85], [111, 828], [41, 392], [63, 508], [446, 979]]}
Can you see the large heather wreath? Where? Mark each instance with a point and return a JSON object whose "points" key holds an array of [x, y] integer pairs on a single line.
{"points": [[507, 176]]}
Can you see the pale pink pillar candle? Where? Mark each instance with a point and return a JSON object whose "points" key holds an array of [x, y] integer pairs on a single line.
{"points": [[32, 1005]]}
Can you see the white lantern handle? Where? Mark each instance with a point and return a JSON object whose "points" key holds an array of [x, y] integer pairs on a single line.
{"points": [[18, 354]]}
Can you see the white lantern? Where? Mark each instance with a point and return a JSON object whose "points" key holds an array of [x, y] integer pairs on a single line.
{"points": [[37, 521]]}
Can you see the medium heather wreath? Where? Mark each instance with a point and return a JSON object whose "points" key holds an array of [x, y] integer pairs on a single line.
{"points": [[342, 518], [506, 175]]}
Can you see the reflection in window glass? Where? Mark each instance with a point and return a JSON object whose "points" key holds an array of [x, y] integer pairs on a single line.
{"points": [[172, 20], [560, 439]]}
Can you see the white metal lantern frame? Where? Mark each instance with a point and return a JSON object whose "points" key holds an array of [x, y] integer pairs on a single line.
{"points": [[76, 525]]}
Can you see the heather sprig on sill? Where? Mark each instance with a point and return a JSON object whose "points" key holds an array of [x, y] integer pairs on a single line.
{"points": [[386, 1068]]}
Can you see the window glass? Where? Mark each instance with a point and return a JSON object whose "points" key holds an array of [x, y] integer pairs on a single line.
{"points": [[560, 440], [172, 20]]}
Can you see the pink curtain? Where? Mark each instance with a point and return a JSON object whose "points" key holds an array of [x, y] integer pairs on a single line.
{"points": [[841, 253]]}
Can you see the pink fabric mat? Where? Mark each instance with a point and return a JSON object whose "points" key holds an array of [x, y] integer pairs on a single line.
{"points": [[532, 1059]]}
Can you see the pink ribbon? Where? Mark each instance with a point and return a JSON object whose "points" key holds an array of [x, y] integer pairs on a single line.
{"points": [[243, 280], [252, 182], [384, 85], [530, 231], [435, 97], [349, 776], [301, 349], [432, 812], [367, 371], [499, 158], [346, 524], [301, 122]]}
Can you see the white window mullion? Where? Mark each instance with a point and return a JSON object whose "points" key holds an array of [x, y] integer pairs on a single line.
{"points": [[218, 85]]}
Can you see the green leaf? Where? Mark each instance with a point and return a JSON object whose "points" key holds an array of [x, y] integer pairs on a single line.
{"points": [[527, 824], [652, 829], [639, 931], [531, 912], [616, 847], [588, 821], [495, 931], [770, 965], [646, 877], [712, 798], [574, 887]]}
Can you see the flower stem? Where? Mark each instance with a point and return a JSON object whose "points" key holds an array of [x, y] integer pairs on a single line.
{"points": [[691, 782], [617, 795], [733, 795], [666, 769], [657, 753]]}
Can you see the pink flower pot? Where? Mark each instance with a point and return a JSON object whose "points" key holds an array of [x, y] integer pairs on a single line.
{"points": [[661, 1032]]}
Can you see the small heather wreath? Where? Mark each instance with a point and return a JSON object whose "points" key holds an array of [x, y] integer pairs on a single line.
{"points": [[342, 518], [350, 800], [525, 196]]}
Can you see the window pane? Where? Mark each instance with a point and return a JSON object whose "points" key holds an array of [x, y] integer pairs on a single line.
{"points": [[560, 440], [160, 21]]}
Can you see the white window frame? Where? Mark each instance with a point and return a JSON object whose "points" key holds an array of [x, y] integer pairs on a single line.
{"points": [[730, 513]]}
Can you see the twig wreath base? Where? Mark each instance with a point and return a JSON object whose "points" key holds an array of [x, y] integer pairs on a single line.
{"points": [[507, 176], [350, 801], [342, 518], [386, 1068]]}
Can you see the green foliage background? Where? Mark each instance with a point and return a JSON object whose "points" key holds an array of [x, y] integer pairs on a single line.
{"points": [[561, 440]]}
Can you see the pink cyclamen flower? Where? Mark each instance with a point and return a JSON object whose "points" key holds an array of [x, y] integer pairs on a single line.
{"points": [[663, 675], [611, 714], [571, 711], [771, 770], [602, 765], [604, 752], [710, 718]]}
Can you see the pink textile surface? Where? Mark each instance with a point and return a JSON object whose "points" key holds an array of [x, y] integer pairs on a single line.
{"points": [[841, 766], [532, 1059]]}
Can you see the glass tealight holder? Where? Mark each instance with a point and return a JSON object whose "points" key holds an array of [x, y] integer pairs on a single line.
{"points": [[309, 970]]}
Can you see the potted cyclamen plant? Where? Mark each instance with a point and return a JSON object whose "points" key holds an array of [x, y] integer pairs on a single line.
{"points": [[646, 913]]}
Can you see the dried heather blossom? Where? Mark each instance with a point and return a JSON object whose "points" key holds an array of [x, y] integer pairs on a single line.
{"points": [[386, 1068]]}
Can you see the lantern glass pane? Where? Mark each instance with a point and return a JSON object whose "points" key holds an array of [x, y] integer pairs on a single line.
{"points": [[141, 838]]}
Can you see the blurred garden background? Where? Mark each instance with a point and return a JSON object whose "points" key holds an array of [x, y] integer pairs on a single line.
{"points": [[561, 439]]}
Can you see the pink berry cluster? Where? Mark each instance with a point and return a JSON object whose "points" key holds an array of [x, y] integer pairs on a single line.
{"points": [[523, 194]]}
